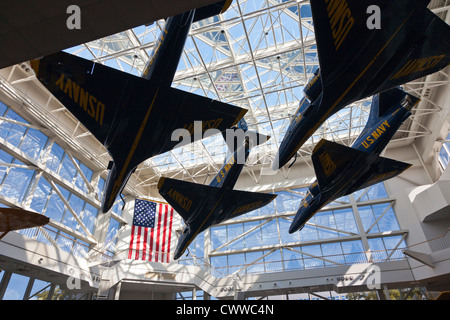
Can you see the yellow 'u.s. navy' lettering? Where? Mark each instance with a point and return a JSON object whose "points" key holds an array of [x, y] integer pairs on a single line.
{"points": [[89, 103], [341, 20], [155, 51], [416, 65], [328, 165], [375, 134], [228, 165], [181, 199]]}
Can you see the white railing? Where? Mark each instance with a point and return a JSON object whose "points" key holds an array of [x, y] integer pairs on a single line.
{"points": [[433, 245]]}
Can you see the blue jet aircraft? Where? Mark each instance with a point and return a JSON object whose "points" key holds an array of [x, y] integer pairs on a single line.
{"points": [[202, 206], [357, 61], [135, 117], [342, 170]]}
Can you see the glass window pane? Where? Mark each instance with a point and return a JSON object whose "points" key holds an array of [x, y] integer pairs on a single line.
{"points": [[308, 233], [3, 108], [235, 262], [333, 253], [354, 251], [113, 228], [234, 231], [41, 193], [67, 170], [367, 218], [389, 221], [89, 215], [325, 219], [254, 238], [256, 266], [269, 233], [345, 220], [219, 264], [218, 237], [12, 132], [309, 253], [5, 158], [16, 287], [377, 247], [69, 220], [33, 143], [54, 157], [56, 207], [268, 209], [293, 260], [284, 202], [287, 237], [36, 293], [273, 261], [443, 157], [79, 182], [16, 182], [377, 191], [100, 186]]}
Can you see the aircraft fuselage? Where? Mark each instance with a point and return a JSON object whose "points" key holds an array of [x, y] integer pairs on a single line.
{"points": [[374, 138], [159, 71], [225, 179]]}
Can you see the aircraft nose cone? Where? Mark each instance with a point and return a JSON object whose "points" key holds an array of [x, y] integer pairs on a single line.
{"points": [[295, 225], [177, 255], [280, 158]]}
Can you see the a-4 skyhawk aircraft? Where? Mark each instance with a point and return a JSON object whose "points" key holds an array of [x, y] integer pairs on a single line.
{"points": [[134, 117], [357, 62], [342, 170], [202, 206]]}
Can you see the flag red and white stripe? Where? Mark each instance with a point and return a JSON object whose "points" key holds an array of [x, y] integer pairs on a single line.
{"points": [[151, 231]]}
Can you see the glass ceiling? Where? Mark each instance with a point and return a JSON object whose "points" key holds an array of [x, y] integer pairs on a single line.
{"points": [[258, 55]]}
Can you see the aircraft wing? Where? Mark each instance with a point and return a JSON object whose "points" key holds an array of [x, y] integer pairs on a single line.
{"points": [[186, 197], [91, 92], [120, 109], [193, 114], [382, 169], [355, 58], [206, 203], [333, 160], [245, 201]]}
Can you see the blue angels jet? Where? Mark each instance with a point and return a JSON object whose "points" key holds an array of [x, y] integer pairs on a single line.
{"points": [[134, 117], [357, 62], [342, 170], [202, 206]]}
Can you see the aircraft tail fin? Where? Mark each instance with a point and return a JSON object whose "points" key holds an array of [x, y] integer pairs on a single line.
{"points": [[211, 10], [235, 138], [185, 196], [188, 198], [330, 159], [384, 101]]}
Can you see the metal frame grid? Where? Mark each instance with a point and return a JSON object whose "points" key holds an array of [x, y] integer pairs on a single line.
{"points": [[257, 55]]}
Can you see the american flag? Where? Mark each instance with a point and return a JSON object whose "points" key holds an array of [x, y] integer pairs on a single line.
{"points": [[151, 231]]}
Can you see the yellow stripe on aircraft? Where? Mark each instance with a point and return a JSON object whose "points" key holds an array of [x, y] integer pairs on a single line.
{"points": [[326, 115], [118, 182]]}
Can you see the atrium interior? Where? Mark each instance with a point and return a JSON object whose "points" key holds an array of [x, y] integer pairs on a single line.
{"points": [[388, 241]]}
